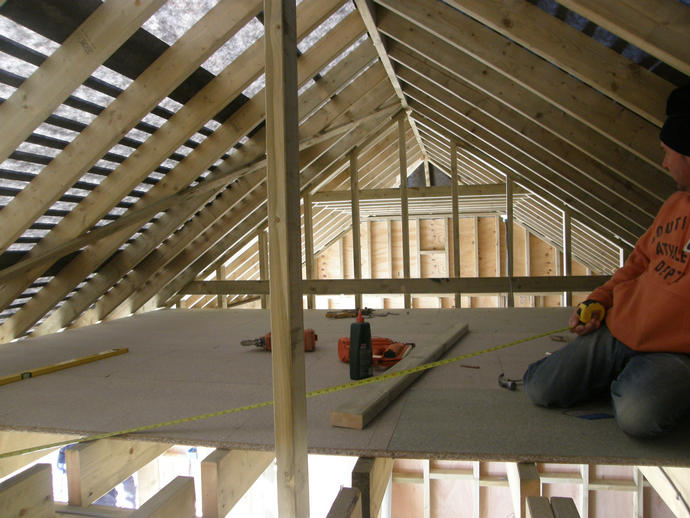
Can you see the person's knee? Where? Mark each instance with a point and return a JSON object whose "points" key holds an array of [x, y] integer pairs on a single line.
{"points": [[637, 418], [537, 388]]}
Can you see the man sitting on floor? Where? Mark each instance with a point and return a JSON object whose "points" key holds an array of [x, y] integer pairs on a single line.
{"points": [[640, 350]]}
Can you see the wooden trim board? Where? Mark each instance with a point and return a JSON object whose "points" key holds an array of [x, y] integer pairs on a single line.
{"points": [[367, 402]]}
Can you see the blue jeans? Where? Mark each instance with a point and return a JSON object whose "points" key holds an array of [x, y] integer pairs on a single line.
{"points": [[650, 391]]}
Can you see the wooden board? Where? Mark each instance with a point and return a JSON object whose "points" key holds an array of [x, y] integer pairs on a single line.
{"points": [[367, 402]]}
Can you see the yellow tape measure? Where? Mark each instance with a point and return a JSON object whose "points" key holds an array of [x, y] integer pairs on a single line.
{"points": [[320, 392], [590, 309]]}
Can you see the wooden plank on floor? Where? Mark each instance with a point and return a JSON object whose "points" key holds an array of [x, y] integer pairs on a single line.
{"points": [[564, 508], [226, 475], [538, 507], [370, 476], [367, 402], [175, 500], [94, 468], [28, 494], [348, 504]]}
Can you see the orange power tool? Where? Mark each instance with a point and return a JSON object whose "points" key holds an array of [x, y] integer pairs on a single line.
{"points": [[386, 352], [264, 342]]}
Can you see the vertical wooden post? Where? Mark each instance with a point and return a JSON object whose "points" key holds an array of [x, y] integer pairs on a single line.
{"points": [[356, 238], [426, 469], [263, 263], [309, 245], [287, 323], [402, 150], [567, 254], [222, 299], [456, 216], [509, 239], [584, 495]]}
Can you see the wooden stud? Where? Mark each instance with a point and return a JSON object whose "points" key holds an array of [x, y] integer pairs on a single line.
{"points": [[347, 504], [638, 493], [94, 468], [356, 238], [426, 464], [455, 214], [567, 254], [29, 494], [263, 263], [287, 324], [308, 243], [226, 475], [367, 402], [220, 275], [524, 482], [405, 216], [509, 237], [175, 500], [584, 489], [371, 476], [476, 489]]}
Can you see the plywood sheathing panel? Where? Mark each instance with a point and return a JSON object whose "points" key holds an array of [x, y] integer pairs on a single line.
{"points": [[189, 362]]}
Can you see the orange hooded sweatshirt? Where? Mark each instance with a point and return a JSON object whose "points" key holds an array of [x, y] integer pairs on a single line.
{"points": [[648, 299]]}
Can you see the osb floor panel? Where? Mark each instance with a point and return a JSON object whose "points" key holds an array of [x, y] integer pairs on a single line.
{"points": [[183, 363]]}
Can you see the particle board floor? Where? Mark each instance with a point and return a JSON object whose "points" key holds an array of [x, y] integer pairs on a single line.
{"points": [[185, 363]]}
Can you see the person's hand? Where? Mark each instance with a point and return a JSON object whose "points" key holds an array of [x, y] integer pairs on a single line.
{"points": [[579, 328]]}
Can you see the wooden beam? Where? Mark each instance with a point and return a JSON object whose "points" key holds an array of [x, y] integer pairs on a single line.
{"points": [[510, 221], [469, 285], [251, 114], [30, 493], [455, 216], [94, 468], [371, 476], [283, 182], [667, 490], [367, 402], [356, 238], [175, 500], [659, 29], [226, 475], [367, 11], [347, 504], [524, 482], [153, 84], [102, 33], [537, 75], [567, 253], [576, 53], [263, 263], [404, 213], [11, 440]]}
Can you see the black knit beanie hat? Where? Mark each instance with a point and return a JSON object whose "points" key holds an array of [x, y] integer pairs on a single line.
{"points": [[676, 130]]}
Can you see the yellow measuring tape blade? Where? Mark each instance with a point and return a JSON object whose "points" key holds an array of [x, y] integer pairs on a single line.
{"points": [[40, 371], [253, 406]]}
